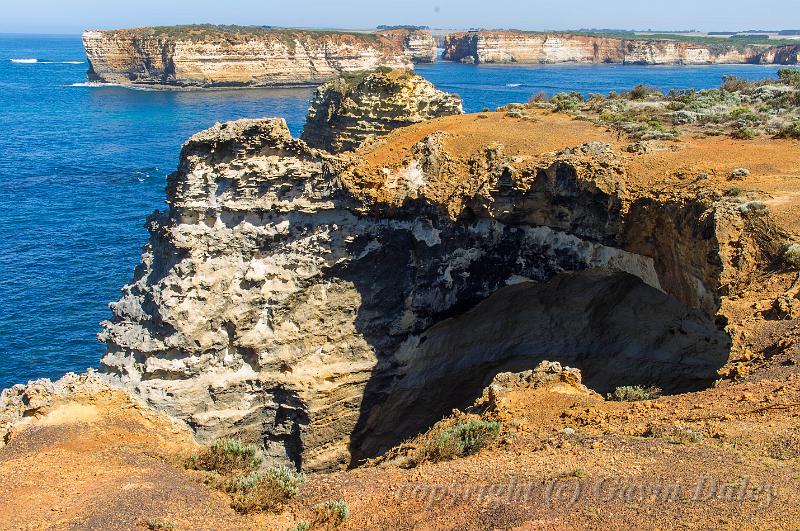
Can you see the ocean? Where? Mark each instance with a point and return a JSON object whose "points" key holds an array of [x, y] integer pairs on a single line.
{"points": [[81, 167]]}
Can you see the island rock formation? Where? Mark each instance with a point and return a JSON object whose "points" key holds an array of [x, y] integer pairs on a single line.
{"points": [[214, 56], [543, 48], [351, 109], [330, 305]]}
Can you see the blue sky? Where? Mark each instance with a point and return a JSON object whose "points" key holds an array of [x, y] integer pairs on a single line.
{"points": [[72, 16]]}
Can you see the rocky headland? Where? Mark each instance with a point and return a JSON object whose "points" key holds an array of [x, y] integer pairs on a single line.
{"points": [[545, 48], [232, 56], [330, 305]]}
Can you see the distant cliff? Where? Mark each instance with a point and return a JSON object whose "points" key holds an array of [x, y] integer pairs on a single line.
{"points": [[541, 48], [222, 56]]}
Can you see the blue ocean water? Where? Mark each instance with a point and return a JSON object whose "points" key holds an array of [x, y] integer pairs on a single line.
{"points": [[81, 167]]}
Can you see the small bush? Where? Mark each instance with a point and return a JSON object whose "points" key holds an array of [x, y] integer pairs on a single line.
{"points": [[789, 75], [577, 473], [566, 101], [634, 393], [744, 133], [264, 490], [302, 525], [541, 97], [790, 131], [791, 255], [676, 434], [161, 524], [331, 514], [735, 84], [226, 456], [739, 173], [458, 441], [733, 191], [641, 91]]}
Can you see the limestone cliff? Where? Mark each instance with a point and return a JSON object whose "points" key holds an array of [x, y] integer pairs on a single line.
{"points": [[349, 110], [329, 306], [421, 46], [211, 56], [535, 48]]}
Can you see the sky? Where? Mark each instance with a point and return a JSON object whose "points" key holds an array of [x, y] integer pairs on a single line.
{"points": [[73, 16]]}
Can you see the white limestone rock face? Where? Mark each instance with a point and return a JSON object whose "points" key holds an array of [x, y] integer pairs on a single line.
{"points": [[277, 302], [351, 110], [212, 57], [543, 48]]}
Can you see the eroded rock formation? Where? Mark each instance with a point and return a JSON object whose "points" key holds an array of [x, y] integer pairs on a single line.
{"points": [[330, 305], [536, 48], [210, 56], [351, 109]]}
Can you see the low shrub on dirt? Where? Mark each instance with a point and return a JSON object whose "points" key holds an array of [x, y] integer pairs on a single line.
{"points": [[330, 514], [264, 490], [634, 393], [744, 133], [790, 131], [225, 456], [791, 255], [458, 440], [566, 101], [676, 434], [161, 524]]}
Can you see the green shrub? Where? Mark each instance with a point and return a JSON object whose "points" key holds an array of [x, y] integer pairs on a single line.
{"points": [[634, 393], [566, 101], [733, 191], [790, 131], [676, 434], [458, 440], [331, 514], [227, 455], [791, 255], [744, 133], [302, 525], [264, 490], [789, 75], [161, 524]]}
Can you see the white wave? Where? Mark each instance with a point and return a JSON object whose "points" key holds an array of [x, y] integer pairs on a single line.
{"points": [[513, 84], [97, 84], [35, 61]]}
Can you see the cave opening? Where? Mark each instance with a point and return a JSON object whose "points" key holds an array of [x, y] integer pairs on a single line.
{"points": [[612, 326]]}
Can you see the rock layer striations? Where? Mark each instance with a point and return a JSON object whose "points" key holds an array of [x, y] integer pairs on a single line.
{"points": [[538, 48], [235, 57], [352, 109]]}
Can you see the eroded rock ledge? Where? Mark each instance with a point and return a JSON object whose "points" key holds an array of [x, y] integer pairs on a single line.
{"points": [[329, 306], [230, 56]]}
